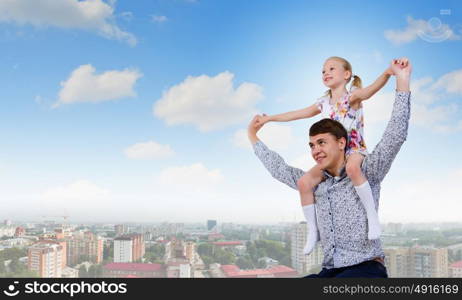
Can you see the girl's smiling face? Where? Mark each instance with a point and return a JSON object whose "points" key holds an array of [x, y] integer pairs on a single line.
{"points": [[334, 74]]}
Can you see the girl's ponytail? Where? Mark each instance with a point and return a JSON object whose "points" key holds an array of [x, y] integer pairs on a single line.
{"points": [[356, 82]]}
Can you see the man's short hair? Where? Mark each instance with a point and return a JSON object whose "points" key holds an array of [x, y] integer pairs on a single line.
{"points": [[329, 126]]}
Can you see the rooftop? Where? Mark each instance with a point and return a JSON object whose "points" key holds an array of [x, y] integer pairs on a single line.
{"points": [[457, 264], [133, 267], [228, 243], [235, 271]]}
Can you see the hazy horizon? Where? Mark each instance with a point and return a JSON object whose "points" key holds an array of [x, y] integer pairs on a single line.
{"points": [[149, 121]]}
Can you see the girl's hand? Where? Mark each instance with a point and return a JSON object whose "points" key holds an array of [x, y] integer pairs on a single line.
{"points": [[401, 67], [389, 71]]}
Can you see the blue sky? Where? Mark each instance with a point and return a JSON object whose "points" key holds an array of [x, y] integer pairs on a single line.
{"points": [[136, 110]]}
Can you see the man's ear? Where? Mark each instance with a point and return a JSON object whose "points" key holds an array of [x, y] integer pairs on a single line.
{"points": [[342, 143]]}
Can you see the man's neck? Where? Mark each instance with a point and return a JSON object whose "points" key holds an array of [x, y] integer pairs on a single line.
{"points": [[337, 168]]}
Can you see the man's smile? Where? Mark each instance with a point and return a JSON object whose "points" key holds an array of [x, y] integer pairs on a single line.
{"points": [[319, 158]]}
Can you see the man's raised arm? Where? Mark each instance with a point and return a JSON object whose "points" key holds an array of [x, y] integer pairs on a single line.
{"points": [[377, 164], [272, 161]]}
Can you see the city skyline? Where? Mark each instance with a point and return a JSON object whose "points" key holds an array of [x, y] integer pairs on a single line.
{"points": [[125, 111], [176, 250]]}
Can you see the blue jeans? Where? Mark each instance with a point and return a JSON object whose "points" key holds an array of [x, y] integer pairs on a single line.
{"points": [[367, 269]]}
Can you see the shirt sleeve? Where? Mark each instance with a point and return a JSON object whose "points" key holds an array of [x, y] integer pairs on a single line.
{"points": [[319, 103], [276, 165], [377, 164]]}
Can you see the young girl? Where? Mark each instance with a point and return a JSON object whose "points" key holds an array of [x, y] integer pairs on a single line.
{"points": [[344, 106]]}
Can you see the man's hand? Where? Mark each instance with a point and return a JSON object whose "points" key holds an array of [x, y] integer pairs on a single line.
{"points": [[254, 126], [402, 69]]}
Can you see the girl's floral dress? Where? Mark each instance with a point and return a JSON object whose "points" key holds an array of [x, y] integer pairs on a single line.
{"points": [[351, 119]]}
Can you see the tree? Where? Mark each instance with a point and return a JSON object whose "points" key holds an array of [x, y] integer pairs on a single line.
{"points": [[11, 253], [252, 250], [83, 258], [83, 272], [155, 253], [108, 251], [95, 271], [261, 264], [286, 261], [207, 260], [224, 257], [244, 263], [17, 269], [205, 249], [2, 267], [14, 265]]}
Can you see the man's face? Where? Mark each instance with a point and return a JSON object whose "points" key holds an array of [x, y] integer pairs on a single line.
{"points": [[326, 150]]}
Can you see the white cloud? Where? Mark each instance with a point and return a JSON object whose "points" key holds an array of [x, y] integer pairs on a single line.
{"points": [[432, 116], [78, 190], [83, 85], [304, 161], [431, 31], [428, 199], [378, 108], [149, 150], [195, 177], [159, 19], [450, 82], [426, 108], [91, 15], [81, 197], [275, 136], [209, 103]]}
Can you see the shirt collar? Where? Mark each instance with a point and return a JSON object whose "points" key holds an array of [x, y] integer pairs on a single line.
{"points": [[337, 178]]}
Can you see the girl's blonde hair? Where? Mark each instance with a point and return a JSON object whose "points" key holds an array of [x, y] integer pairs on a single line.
{"points": [[347, 66]]}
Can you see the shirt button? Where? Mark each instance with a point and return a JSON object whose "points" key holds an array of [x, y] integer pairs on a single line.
{"points": [[333, 246]]}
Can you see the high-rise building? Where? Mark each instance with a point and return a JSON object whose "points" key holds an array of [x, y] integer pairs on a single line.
{"points": [[129, 248], [174, 249], [169, 228], [84, 247], [416, 262], [211, 225], [190, 251], [302, 263], [123, 250], [429, 262], [120, 229], [46, 259], [397, 261], [20, 231], [56, 237]]}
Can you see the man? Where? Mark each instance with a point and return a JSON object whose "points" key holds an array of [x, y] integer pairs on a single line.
{"points": [[342, 220]]}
